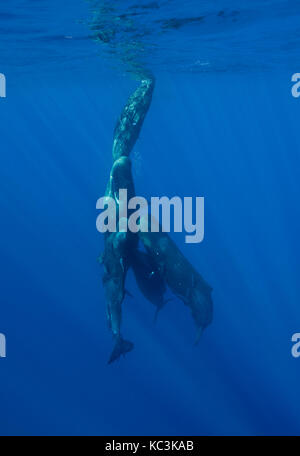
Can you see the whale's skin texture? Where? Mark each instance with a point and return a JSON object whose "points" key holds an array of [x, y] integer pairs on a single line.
{"points": [[148, 278], [117, 247], [130, 123]]}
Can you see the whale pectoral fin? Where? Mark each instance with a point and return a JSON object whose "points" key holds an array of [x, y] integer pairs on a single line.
{"points": [[182, 298], [121, 348], [128, 293], [158, 309], [198, 335]]}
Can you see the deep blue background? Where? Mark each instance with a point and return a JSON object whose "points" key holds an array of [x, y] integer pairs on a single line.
{"points": [[232, 137]]}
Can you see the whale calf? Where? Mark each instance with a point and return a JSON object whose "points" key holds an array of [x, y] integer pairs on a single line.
{"points": [[181, 277]]}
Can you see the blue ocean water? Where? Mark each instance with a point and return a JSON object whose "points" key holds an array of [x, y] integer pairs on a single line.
{"points": [[224, 125]]}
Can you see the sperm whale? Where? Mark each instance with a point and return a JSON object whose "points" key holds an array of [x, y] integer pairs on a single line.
{"points": [[118, 245]]}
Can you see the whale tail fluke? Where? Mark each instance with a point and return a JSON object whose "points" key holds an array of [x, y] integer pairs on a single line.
{"points": [[121, 348]]}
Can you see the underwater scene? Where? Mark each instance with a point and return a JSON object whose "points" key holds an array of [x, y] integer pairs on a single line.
{"points": [[149, 217]]}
